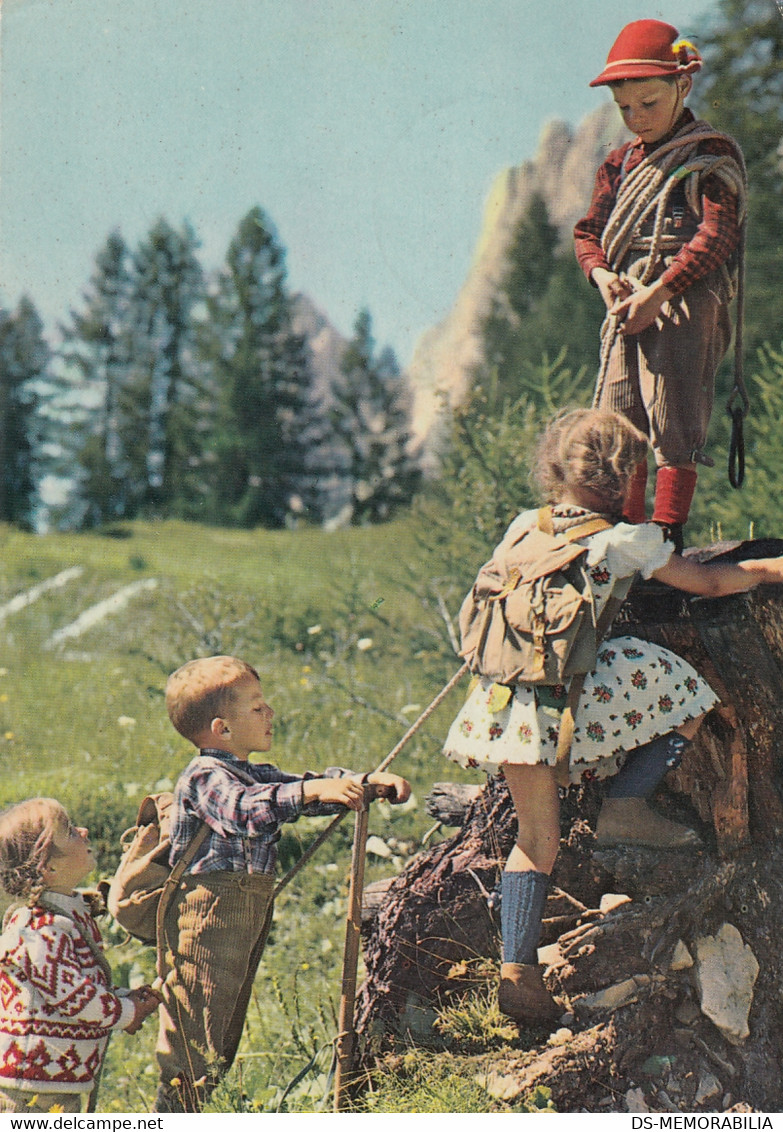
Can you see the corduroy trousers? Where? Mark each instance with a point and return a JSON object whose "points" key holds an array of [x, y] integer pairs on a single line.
{"points": [[663, 380], [215, 931]]}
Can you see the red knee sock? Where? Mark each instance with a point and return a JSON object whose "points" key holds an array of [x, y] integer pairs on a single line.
{"points": [[635, 507], [674, 489]]}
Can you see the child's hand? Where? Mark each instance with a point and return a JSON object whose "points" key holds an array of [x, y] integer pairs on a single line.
{"points": [[145, 1002], [391, 787], [640, 310], [344, 791], [612, 286]]}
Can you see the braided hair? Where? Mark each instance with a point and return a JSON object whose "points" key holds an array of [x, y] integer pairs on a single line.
{"points": [[594, 449], [27, 832]]}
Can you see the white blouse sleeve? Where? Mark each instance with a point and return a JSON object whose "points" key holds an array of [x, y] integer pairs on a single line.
{"points": [[628, 548]]}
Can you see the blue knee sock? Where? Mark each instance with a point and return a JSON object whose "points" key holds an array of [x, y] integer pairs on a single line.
{"points": [[646, 765], [523, 896]]}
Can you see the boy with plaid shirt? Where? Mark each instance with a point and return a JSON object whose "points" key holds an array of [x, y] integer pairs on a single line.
{"points": [[216, 926]]}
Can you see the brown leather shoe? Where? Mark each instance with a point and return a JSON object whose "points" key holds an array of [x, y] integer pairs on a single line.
{"points": [[523, 997], [630, 821]]}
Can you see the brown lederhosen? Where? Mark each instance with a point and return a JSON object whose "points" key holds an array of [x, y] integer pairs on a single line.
{"points": [[216, 928], [663, 380]]}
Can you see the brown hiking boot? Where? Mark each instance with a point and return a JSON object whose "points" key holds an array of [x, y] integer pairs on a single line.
{"points": [[630, 821], [523, 997]]}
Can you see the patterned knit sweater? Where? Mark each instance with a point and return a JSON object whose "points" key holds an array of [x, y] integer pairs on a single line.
{"points": [[57, 1004]]}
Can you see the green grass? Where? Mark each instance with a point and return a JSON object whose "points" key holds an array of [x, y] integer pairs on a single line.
{"points": [[416, 1082], [85, 722]]}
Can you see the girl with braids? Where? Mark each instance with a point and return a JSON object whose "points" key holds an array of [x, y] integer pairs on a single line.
{"points": [[638, 710], [662, 242], [57, 1002]]}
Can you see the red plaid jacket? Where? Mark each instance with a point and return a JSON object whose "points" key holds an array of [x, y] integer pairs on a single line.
{"points": [[716, 235]]}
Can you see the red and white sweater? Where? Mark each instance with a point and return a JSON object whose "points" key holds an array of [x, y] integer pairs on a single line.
{"points": [[57, 1004]]}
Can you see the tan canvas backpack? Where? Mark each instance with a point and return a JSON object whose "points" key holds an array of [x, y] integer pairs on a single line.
{"points": [[530, 617], [135, 891]]}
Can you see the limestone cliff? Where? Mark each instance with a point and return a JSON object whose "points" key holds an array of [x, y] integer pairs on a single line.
{"points": [[325, 344], [562, 172]]}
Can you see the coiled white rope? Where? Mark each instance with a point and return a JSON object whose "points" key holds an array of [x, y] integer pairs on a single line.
{"points": [[648, 188]]}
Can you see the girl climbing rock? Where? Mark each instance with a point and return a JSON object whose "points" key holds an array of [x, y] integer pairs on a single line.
{"points": [[638, 709]]}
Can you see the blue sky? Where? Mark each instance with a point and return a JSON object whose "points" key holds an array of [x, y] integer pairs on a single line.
{"points": [[369, 130]]}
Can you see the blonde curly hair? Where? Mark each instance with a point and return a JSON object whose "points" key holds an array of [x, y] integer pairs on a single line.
{"points": [[595, 450], [27, 833]]}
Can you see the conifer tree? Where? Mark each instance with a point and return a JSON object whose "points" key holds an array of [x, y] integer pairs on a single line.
{"points": [[529, 259], [24, 361], [370, 418], [267, 426], [162, 405], [740, 90], [97, 343], [542, 307]]}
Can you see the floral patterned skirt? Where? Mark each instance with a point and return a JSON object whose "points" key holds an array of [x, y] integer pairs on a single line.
{"points": [[638, 691]]}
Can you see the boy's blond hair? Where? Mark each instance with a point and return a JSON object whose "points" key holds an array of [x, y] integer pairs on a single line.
{"points": [[594, 449], [199, 691], [27, 832]]}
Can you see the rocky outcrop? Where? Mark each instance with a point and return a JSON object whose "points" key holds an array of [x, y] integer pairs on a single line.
{"points": [[325, 343], [562, 172]]}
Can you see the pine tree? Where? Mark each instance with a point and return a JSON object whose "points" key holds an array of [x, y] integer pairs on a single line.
{"points": [[530, 258], [371, 421], [267, 426], [97, 344], [162, 407], [740, 90], [24, 361], [542, 308]]}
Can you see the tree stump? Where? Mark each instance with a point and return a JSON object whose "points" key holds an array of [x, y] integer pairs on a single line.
{"points": [[732, 774], [436, 928]]}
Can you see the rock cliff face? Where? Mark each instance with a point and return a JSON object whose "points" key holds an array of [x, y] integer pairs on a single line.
{"points": [[326, 345], [562, 172]]}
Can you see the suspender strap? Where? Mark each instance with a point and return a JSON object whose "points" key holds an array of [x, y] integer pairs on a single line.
{"points": [[172, 881]]}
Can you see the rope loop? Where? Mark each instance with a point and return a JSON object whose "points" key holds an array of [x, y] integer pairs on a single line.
{"points": [[736, 445]]}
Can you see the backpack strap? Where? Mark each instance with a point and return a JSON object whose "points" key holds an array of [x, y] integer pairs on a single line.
{"points": [[545, 523], [568, 718], [546, 526], [173, 879], [176, 874], [565, 735]]}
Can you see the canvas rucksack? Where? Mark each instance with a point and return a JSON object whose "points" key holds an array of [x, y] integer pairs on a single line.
{"points": [[136, 890], [144, 882], [530, 617]]}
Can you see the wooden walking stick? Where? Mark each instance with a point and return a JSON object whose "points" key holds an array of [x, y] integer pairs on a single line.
{"points": [[347, 1034]]}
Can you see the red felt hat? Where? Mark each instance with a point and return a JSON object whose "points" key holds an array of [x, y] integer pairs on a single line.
{"points": [[648, 49]]}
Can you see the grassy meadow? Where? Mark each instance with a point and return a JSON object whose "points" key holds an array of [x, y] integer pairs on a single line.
{"points": [[349, 633]]}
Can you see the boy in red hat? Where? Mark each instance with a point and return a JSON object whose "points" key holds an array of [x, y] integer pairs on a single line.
{"points": [[661, 243]]}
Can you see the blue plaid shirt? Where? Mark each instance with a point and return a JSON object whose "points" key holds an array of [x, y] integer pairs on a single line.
{"points": [[244, 804]]}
